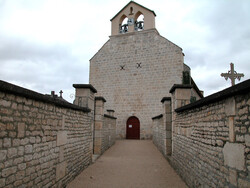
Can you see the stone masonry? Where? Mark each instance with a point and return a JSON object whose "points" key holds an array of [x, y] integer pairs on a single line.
{"points": [[133, 71], [210, 138], [162, 128], [103, 125], [136, 91], [44, 142]]}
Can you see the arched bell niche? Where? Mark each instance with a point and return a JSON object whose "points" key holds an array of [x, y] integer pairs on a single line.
{"points": [[139, 21], [123, 25]]}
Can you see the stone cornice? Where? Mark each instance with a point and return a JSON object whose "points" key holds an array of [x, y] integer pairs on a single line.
{"points": [[85, 86]]}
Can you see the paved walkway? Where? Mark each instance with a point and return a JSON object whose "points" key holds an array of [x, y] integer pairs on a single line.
{"points": [[129, 164]]}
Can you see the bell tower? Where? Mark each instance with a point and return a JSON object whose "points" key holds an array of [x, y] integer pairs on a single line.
{"points": [[132, 18]]}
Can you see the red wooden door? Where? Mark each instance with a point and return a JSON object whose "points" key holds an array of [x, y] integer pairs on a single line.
{"points": [[133, 128]]}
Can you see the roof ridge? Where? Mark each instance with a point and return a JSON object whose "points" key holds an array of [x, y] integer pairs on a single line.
{"points": [[136, 4]]}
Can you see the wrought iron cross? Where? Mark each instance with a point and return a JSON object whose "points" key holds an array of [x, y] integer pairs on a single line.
{"points": [[232, 74]]}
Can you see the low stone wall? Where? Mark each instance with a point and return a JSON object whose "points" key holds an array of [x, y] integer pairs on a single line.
{"points": [[159, 134], [44, 142], [108, 132], [162, 128], [211, 139]]}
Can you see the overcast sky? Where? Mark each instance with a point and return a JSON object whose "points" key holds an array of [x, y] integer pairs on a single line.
{"points": [[46, 45]]}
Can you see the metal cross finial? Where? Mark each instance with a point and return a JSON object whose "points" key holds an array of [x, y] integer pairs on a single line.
{"points": [[232, 74]]}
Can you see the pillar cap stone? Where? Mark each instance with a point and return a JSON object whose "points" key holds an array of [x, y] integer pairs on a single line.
{"points": [[108, 116], [100, 98], [165, 99], [182, 86], [85, 86], [157, 117]]}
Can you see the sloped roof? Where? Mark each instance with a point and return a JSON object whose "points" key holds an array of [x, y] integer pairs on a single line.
{"points": [[128, 5]]}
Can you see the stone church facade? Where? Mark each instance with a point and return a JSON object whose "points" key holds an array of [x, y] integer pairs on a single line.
{"points": [[135, 69]]}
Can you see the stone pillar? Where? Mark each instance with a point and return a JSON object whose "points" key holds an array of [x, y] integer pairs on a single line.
{"points": [[99, 120], [84, 97], [181, 95], [167, 122]]}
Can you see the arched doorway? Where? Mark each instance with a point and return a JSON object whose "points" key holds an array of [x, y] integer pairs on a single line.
{"points": [[133, 128]]}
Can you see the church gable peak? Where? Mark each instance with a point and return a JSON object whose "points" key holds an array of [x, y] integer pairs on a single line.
{"points": [[133, 17], [130, 4]]}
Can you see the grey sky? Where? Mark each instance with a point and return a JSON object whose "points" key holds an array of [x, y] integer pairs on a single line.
{"points": [[46, 44]]}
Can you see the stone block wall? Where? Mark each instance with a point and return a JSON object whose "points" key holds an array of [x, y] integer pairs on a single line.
{"points": [[133, 72], [162, 128], [109, 132], [44, 142], [103, 125], [159, 133], [210, 139]]}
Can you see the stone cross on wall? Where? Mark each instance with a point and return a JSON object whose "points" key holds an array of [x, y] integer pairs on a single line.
{"points": [[61, 92], [232, 74]]}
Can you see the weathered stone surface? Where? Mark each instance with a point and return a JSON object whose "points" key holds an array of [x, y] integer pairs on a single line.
{"points": [[7, 142], [234, 155], [3, 154], [247, 140], [28, 149], [21, 130], [20, 175], [243, 183], [18, 160], [98, 125], [230, 106], [61, 138], [61, 170], [12, 152], [231, 129], [2, 182], [61, 153], [10, 179], [233, 177], [5, 103], [8, 171], [22, 166]]}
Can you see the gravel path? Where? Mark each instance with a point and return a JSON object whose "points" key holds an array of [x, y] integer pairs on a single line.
{"points": [[129, 164]]}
